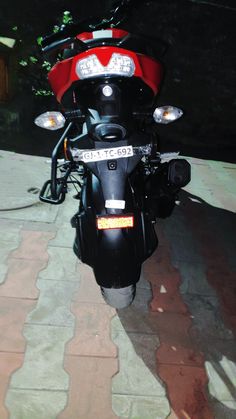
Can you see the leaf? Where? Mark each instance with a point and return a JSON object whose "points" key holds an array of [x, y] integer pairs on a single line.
{"points": [[23, 63], [39, 40], [56, 28], [42, 92], [67, 17], [33, 59], [47, 65]]}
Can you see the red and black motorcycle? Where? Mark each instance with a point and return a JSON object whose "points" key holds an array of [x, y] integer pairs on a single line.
{"points": [[106, 82]]}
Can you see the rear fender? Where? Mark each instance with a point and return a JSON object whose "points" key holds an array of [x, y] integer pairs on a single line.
{"points": [[115, 255]]}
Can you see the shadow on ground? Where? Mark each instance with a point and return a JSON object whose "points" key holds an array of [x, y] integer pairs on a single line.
{"points": [[202, 243]]}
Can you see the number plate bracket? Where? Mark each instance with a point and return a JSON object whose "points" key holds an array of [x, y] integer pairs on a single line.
{"points": [[94, 155]]}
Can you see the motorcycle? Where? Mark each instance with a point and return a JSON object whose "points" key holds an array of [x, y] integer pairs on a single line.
{"points": [[106, 81]]}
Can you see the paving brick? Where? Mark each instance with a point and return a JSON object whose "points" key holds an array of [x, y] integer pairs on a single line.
{"points": [[172, 415], [89, 290], [13, 312], [65, 235], [169, 301], [207, 317], [176, 345], [137, 375], [144, 347], [140, 407], [90, 388], [133, 320], [43, 363], [142, 299], [194, 278], [10, 231], [214, 349], [170, 281], [62, 265], [68, 209], [39, 226], [5, 249], [21, 278], [92, 331], [223, 410], [33, 404], [154, 271], [222, 379], [185, 386], [179, 355], [9, 362], [172, 328], [183, 248], [33, 245], [137, 391], [39, 212], [143, 282], [53, 306]]}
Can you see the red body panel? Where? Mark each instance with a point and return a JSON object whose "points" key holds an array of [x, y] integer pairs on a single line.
{"points": [[63, 74]]}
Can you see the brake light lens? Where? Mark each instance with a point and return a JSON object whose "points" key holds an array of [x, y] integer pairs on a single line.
{"points": [[115, 221], [119, 65], [50, 120]]}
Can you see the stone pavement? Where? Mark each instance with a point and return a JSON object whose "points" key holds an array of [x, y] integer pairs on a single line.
{"points": [[65, 354]]}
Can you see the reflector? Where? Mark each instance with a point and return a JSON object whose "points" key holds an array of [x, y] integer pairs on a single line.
{"points": [[115, 221], [50, 120]]}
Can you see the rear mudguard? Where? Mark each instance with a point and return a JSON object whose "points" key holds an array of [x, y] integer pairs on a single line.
{"points": [[115, 255]]}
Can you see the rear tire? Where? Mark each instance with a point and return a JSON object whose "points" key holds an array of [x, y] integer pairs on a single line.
{"points": [[119, 297]]}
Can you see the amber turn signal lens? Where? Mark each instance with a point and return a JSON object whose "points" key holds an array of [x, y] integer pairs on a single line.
{"points": [[50, 120]]}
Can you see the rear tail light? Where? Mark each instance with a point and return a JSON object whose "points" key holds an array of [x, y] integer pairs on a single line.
{"points": [[119, 65], [110, 222]]}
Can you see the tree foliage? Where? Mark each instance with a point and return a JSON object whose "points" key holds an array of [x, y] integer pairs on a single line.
{"points": [[33, 66]]}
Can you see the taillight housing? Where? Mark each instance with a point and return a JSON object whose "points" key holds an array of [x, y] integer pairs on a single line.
{"points": [[119, 65]]}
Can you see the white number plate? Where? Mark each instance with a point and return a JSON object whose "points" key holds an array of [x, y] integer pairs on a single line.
{"points": [[107, 154]]}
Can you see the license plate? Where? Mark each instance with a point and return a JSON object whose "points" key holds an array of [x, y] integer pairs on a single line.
{"points": [[115, 221], [89, 156]]}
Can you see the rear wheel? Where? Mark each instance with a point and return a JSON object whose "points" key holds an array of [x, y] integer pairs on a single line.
{"points": [[119, 297]]}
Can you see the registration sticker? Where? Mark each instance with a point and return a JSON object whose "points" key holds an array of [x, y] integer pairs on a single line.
{"points": [[89, 156]]}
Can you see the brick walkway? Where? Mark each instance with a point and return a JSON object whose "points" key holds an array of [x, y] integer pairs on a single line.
{"points": [[65, 354]]}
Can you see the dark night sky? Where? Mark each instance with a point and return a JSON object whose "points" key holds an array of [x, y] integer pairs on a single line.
{"points": [[200, 61]]}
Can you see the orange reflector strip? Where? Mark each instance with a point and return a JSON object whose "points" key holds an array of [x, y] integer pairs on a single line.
{"points": [[65, 148], [106, 223]]}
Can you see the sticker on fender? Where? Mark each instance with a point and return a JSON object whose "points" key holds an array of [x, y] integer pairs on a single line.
{"points": [[89, 156]]}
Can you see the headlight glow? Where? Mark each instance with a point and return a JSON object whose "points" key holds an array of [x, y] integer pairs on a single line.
{"points": [[119, 65]]}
